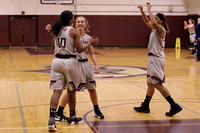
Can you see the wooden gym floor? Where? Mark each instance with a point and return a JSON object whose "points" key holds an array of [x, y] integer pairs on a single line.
{"points": [[25, 94]]}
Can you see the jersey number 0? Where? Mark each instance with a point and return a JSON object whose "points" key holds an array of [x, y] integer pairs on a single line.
{"points": [[62, 42]]}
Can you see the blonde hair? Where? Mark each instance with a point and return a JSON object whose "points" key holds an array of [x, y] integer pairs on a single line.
{"points": [[192, 20], [86, 22]]}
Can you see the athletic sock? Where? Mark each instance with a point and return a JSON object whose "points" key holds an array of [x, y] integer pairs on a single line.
{"points": [[96, 107], [72, 113], [52, 112], [170, 100], [147, 100], [60, 110]]}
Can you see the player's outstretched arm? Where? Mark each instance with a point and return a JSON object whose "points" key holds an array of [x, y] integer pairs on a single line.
{"points": [[145, 18], [156, 26]]}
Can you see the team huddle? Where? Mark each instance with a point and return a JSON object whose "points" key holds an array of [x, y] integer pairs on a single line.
{"points": [[71, 69]]}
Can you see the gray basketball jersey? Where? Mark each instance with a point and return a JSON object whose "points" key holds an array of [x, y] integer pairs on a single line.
{"points": [[84, 40], [156, 44], [191, 30], [63, 42]]}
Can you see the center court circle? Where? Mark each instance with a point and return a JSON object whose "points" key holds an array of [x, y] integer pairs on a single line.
{"points": [[110, 71], [106, 71]]}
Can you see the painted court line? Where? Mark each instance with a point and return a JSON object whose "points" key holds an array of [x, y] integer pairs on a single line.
{"points": [[21, 109], [27, 128], [151, 125], [10, 56]]}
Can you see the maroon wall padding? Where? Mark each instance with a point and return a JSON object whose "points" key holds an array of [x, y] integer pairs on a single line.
{"points": [[44, 39], [30, 31], [4, 39], [111, 30], [131, 30], [176, 30], [119, 30]]}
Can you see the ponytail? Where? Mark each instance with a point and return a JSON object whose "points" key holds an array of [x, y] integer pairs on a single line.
{"points": [[166, 27], [56, 28], [65, 18]]}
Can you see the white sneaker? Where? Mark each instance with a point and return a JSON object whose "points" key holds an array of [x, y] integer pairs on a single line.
{"points": [[74, 120], [190, 49], [51, 125]]}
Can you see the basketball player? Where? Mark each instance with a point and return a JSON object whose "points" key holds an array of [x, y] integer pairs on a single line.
{"points": [[156, 61], [191, 29], [82, 25], [65, 69]]}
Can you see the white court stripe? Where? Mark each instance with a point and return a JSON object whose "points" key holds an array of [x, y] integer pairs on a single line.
{"points": [[21, 128]]}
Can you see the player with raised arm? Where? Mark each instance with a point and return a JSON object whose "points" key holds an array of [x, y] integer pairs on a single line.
{"points": [[156, 61]]}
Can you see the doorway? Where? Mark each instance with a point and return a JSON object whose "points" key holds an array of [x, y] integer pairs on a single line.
{"points": [[23, 31]]}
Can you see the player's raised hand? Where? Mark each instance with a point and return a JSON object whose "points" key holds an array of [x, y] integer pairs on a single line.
{"points": [[140, 7], [48, 27], [185, 22], [148, 6]]}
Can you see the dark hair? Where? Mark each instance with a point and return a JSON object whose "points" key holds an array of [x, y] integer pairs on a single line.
{"points": [[64, 20], [163, 18]]}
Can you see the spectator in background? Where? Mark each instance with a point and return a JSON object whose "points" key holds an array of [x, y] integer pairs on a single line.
{"points": [[197, 37], [191, 29]]}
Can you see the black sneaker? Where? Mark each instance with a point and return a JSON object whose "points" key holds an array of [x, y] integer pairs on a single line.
{"points": [[60, 117], [197, 60], [174, 110], [51, 125], [74, 120], [193, 52], [98, 114], [143, 108]]}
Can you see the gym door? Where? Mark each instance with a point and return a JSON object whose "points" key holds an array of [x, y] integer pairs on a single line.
{"points": [[23, 30]]}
